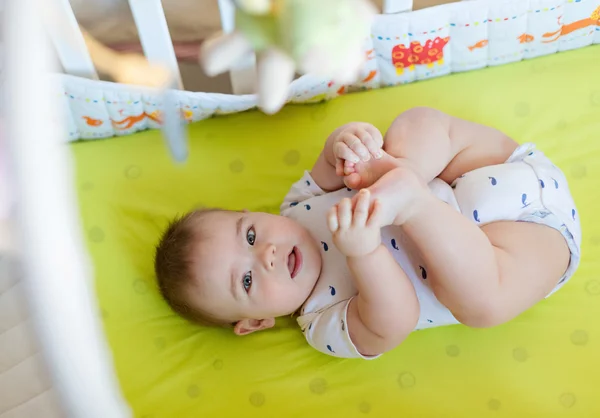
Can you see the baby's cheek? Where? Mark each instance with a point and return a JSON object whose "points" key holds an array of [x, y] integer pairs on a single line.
{"points": [[279, 295]]}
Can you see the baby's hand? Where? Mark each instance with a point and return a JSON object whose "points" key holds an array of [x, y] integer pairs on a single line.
{"points": [[356, 232], [400, 193], [359, 141]]}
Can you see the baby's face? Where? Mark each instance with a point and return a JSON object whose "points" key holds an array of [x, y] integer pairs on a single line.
{"points": [[253, 265]]}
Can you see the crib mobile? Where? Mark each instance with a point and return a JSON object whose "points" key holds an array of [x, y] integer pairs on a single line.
{"points": [[56, 267], [303, 36], [288, 36]]}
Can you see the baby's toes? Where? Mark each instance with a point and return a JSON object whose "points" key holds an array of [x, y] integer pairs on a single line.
{"points": [[353, 181], [349, 167]]}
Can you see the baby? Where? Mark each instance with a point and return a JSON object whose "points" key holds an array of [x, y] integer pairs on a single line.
{"points": [[453, 222]]}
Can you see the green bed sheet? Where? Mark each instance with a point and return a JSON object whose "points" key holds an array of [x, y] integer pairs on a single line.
{"points": [[545, 363]]}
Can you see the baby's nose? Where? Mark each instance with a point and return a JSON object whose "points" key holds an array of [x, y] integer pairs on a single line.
{"points": [[269, 256]]}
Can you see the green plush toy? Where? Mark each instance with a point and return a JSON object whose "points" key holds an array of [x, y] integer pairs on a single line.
{"points": [[321, 37]]}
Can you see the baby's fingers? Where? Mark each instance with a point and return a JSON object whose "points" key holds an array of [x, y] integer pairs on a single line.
{"points": [[339, 167], [375, 136], [348, 168], [361, 210], [345, 213], [332, 219], [354, 142], [375, 218], [372, 145], [343, 152]]}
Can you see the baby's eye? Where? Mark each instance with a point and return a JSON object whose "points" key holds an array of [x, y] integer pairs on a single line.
{"points": [[251, 236], [247, 281]]}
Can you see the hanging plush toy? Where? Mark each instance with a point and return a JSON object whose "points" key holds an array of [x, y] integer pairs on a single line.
{"points": [[320, 37]]}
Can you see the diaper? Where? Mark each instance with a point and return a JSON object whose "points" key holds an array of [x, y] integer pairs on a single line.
{"points": [[527, 188]]}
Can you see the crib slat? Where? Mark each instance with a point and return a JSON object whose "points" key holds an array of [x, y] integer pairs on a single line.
{"points": [[57, 277], [243, 76], [397, 6], [62, 27], [227, 12], [154, 35]]}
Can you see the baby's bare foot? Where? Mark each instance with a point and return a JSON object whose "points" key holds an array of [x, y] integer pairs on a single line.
{"points": [[367, 173], [401, 193]]}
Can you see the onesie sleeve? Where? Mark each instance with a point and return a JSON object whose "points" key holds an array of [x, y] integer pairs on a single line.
{"points": [[326, 330], [303, 189]]}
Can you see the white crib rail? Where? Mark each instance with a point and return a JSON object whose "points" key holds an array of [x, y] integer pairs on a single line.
{"points": [[397, 6], [67, 38], [57, 277], [154, 35]]}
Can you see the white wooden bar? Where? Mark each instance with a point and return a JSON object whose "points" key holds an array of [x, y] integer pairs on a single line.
{"points": [[154, 35], [57, 274], [61, 25], [397, 6], [243, 75]]}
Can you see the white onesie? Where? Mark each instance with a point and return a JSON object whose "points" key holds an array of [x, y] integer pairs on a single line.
{"points": [[528, 188]]}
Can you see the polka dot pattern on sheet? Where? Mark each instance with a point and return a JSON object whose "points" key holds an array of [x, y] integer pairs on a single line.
{"points": [[133, 172], [218, 364], [592, 287], [452, 351], [236, 166], [291, 158], [579, 337], [193, 391], [520, 354], [140, 286], [96, 234], [406, 380], [595, 98], [578, 171], [87, 186], [318, 386], [160, 343], [257, 399], [364, 407], [522, 109], [494, 404], [568, 400]]}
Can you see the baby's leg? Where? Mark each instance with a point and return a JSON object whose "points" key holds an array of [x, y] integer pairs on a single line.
{"points": [[485, 276], [434, 144]]}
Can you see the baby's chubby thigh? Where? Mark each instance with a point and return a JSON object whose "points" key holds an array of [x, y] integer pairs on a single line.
{"points": [[531, 257]]}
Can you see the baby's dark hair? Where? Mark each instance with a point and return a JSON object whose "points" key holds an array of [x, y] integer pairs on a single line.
{"points": [[173, 265]]}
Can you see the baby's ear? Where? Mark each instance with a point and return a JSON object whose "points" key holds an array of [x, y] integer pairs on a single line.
{"points": [[248, 326]]}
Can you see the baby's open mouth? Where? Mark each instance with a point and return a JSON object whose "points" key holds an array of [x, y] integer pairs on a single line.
{"points": [[294, 262]]}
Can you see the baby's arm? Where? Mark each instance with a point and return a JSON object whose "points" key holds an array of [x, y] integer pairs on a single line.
{"points": [[386, 308]]}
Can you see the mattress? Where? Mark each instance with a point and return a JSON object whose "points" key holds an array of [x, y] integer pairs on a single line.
{"points": [[542, 364]]}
